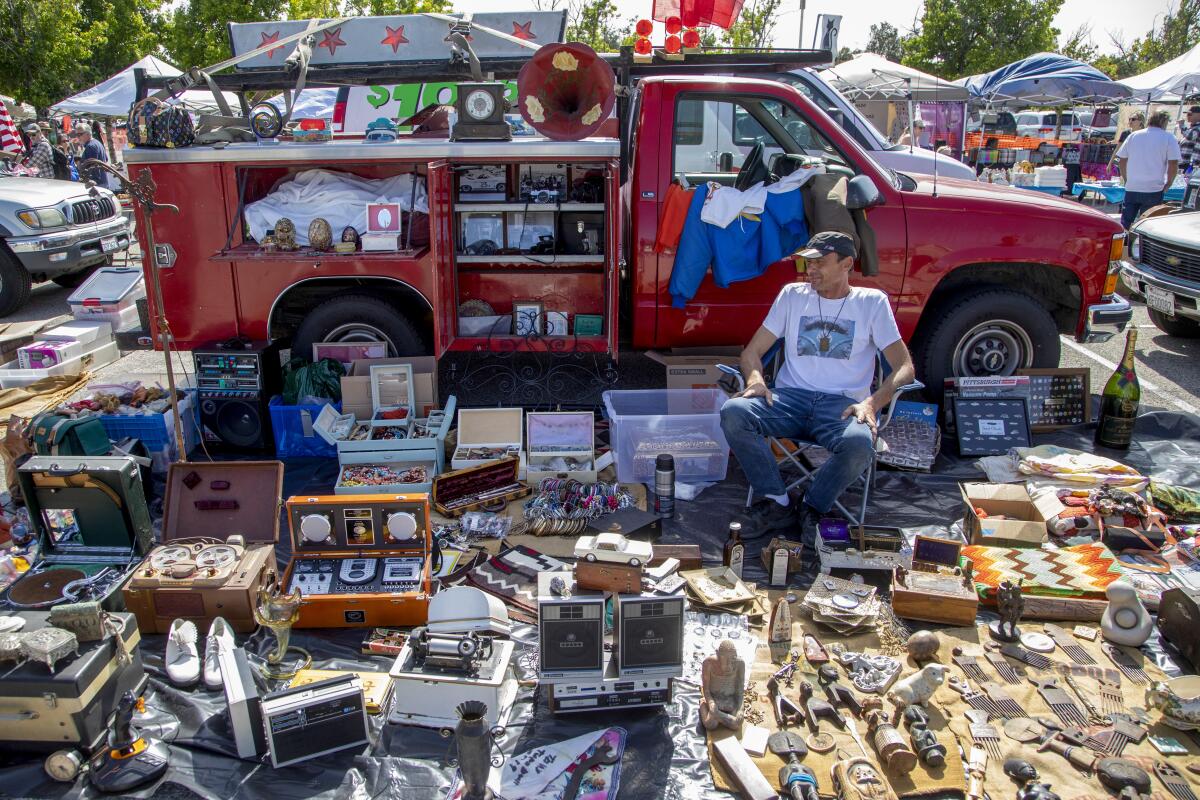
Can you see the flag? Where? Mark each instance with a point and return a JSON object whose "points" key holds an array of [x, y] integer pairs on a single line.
{"points": [[10, 139], [698, 13]]}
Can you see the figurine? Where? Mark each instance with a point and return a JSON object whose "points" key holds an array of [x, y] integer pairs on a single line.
{"points": [[917, 688], [320, 234], [722, 688], [1008, 598], [1179, 701], [889, 744], [924, 741], [1020, 770], [350, 240], [923, 646], [475, 741], [278, 613], [285, 235], [1126, 620], [1036, 791]]}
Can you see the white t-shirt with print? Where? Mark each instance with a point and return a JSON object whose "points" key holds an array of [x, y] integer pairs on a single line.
{"points": [[1148, 151], [829, 346]]}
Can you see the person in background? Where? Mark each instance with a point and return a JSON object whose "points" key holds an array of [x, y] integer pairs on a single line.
{"points": [[90, 147], [918, 133], [1137, 121], [41, 155], [1148, 161], [1189, 148]]}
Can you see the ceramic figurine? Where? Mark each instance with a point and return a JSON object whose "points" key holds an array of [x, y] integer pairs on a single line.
{"points": [[1179, 701], [1036, 791], [1011, 604], [722, 688], [923, 646], [1020, 770], [917, 688], [285, 234], [349, 240], [320, 234], [1126, 620]]}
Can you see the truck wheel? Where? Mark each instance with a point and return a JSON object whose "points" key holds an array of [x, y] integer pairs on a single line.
{"points": [[1175, 326], [983, 333], [75, 279], [15, 284], [358, 318]]}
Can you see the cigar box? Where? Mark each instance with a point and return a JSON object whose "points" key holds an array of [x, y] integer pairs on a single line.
{"points": [[936, 588]]}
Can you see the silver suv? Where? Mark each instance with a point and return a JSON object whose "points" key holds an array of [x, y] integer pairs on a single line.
{"points": [[54, 230], [1162, 265]]}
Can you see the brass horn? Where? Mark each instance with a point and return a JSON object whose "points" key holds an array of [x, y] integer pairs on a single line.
{"points": [[566, 91]]}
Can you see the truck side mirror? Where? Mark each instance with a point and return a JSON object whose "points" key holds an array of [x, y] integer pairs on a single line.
{"points": [[725, 162], [861, 193], [836, 115]]}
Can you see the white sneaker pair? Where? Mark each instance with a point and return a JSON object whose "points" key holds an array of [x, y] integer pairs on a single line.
{"points": [[183, 659]]}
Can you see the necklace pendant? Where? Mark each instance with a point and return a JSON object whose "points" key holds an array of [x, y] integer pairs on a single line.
{"points": [[823, 343]]}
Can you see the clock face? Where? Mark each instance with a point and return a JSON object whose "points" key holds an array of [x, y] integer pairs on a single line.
{"points": [[480, 104]]}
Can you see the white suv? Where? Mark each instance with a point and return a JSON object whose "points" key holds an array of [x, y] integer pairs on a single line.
{"points": [[1043, 125]]}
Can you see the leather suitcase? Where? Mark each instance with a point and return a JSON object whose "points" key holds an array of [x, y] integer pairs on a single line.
{"points": [[1178, 621], [44, 711], [91, 516], [196, 516]]}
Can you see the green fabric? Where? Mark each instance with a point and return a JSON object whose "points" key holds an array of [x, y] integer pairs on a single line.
{"points": [[55, 435], [302, 380], [1179, 503]]}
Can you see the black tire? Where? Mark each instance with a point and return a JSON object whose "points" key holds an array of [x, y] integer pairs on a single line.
{"points": [[363, 313], [75, 279], [985, 332], [15, 284], [1175, 326]]}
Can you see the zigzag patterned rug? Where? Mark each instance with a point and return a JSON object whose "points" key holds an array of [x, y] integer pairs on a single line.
{"points": [[1084, 570]]}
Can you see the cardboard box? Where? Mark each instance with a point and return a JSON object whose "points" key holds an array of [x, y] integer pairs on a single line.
{"points": [[695, 370], [1025, 518], [356, 387]]}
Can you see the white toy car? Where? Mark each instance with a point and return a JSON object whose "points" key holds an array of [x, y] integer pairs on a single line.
{"points": [[613, 547]]}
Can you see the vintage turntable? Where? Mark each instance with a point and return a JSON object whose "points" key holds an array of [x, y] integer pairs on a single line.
{"points": [[220, 524]]}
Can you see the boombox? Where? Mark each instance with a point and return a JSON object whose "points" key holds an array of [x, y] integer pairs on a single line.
{"points": [[360, 561], [1178, 621], [220, 525], [234, 387]]}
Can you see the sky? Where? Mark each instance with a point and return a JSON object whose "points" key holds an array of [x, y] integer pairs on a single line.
{"points": [[1131, 18]]}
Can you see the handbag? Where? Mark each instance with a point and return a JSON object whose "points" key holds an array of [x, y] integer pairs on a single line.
{"points": [[155, 123], [55, 435]]}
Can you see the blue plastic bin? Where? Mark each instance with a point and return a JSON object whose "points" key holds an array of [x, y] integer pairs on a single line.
{"points": [[293, 429], [156, 431]]}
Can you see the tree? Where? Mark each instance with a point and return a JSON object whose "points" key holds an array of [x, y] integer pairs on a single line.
{"points": [[595, 23], [845, 54], [885, 41], [1079, 45], [755, 27], [1177, 33], [123, 31], [46, 50], [197, 32], [965, 37]]}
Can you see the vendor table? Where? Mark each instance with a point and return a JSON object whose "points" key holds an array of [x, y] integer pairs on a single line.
{"points": [[1116, 194], [1053, 191]]}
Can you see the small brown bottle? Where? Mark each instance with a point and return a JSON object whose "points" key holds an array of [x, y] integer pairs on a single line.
{"points": [[735, 550]]}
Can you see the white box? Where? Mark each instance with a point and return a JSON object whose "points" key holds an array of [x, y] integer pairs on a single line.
{"points": [[44, 354], [11, 375], [486, 434], [93, 332], [380, 242], [334, 428], [552, 435], [500, 325]]}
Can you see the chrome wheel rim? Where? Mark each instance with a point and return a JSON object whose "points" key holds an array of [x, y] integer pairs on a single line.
{"points": [[353, 332], [995, 347]]}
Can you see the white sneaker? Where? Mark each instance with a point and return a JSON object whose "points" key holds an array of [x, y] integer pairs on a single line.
{"points": [[220, 638], [182, 659]]}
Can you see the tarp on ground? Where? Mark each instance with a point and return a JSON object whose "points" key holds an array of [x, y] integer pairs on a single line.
{"points": [[873, 77], [1166, 83], [1044, 79], [114, 96]]}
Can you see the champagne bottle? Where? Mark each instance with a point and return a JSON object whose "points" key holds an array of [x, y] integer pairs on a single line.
{"points": [[1119, 401]]}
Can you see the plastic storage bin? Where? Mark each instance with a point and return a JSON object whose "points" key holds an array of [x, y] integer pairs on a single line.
{"points": [[11, 376], [683, 422], [293, 428], [156, 431], [111, 294]]}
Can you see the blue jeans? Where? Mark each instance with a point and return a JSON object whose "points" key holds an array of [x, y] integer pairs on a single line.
{"points": [[1135, 204], [805, 415]]}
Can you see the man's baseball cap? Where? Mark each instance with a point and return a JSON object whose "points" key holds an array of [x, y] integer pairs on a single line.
{"points": [[828, 242], [32, 127]]}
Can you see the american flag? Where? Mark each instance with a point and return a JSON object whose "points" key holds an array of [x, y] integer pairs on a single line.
{"points": [[10, 139]]}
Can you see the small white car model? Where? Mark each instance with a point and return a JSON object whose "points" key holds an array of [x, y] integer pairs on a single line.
{"points": [[613, 547]]}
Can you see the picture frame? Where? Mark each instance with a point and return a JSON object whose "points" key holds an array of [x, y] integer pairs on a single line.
{"points": [[346, 353], [1059, 397], [589, 324], [991, 426], [383, 218], [556, 323], [529, 317]]}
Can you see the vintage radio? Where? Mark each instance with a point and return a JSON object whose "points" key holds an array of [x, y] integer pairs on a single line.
{"points": [[220, 525], [360, 561], [72, 704], [571, 637], [315, 719], [649, 639], [91, 517], [936, 588], [235, 386], [495, 482], [1178, 619]]}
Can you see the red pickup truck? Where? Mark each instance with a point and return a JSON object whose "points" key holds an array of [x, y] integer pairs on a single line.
{"points": [[983, 279]]}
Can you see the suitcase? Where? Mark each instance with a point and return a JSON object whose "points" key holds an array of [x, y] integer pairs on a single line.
{"points": [[91, 518], [44, 711]]}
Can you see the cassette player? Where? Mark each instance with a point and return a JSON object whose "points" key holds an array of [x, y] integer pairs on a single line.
{"points": [[220, 525], [360, 561]]}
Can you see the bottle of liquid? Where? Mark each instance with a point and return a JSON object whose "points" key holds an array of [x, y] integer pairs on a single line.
{"points": [[664, 485], [1119, 401], [735, 550]]}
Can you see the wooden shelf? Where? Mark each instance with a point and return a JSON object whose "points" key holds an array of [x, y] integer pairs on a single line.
{"points": [[252, 252], [550, 261], [529, 207]]}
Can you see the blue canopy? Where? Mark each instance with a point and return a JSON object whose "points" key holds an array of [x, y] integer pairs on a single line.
{"points": [[1044, 79]]}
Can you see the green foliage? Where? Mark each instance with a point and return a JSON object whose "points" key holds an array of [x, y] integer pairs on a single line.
{"points": [[197, 32], [595, 23], [885, 41], [1177, 33], [46, 52], [755, 26], [123, 32], [845, 54], [1079, 45], [965, 37]]}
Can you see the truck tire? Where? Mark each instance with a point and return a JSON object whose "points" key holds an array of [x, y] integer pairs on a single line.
{"points": [[985, 332], [1175, 326], [358, 318], [15, 284]]}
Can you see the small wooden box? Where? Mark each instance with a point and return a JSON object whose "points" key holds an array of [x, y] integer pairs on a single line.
{"points": [[936, 589], [608, 577], [688, 555]]}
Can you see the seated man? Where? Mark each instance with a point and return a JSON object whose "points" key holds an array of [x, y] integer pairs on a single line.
{"points": [[831, 333]]}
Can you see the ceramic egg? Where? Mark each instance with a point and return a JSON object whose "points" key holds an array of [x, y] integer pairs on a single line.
{"points": [[320, 234]]}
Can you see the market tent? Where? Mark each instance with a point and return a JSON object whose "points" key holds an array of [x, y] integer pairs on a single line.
{"points": [[1169, 82], [874, 77], [1044, 79], [113, 97], [16, 109]]}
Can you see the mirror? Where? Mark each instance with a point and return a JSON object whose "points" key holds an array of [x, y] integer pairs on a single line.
{"points": [[836, 115], [862, 193], [725, 162]]}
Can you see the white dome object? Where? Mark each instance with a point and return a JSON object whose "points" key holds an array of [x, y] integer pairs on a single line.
{"points": [[460, 609]]}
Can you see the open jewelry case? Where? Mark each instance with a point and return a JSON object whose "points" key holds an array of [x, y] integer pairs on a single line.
{"points": [[561, 444], [474, 488]]}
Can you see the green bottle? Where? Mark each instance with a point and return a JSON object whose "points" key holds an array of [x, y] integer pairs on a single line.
{"points": [[1119, 401]]}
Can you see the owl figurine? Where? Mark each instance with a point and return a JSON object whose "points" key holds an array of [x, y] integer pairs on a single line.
{"points": [[320, 234], [285, 234]]}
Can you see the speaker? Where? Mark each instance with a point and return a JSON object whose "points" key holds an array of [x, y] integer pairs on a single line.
{"points": [[571, 631], [650, 635], [235, 381], [1178, 619]]}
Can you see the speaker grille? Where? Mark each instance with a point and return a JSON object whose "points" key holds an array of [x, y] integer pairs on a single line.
{"points": [[651, 634], [572, 637]]}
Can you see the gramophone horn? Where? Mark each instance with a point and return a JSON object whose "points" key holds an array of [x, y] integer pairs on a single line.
{"points": [[566, 91]]}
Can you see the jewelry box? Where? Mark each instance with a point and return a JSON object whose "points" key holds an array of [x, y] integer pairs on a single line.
{"points": [[486, 434], [936, 589], [560, 444]]}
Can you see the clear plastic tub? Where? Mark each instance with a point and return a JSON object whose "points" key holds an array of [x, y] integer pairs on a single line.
{"points": [[683, 422], [11, 376], [111, 294]]}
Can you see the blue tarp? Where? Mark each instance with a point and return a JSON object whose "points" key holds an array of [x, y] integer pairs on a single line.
{"points": [[1043, 79]]}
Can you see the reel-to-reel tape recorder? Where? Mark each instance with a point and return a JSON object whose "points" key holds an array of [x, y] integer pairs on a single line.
{"points": [[204, 562]]}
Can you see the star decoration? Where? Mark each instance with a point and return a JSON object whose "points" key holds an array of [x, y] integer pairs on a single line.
{"points": [[268, 38], [523, 31], [395, 37], [332, 40]]}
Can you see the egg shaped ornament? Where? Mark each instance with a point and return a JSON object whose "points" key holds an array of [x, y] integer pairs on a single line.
{"points": [[350, 236], [320, 234], [285, 234]]}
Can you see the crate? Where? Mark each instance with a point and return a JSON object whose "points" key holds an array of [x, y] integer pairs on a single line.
{"points": [[683, 422], [294, 433], [156, 431]]}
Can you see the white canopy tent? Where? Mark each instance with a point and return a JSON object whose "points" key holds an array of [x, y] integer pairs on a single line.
{"points": [[1171, 82], [113, 97], [873, 77], [16, 109]]}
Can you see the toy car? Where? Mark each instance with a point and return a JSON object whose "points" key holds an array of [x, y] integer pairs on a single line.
{"points": [[615, 548]]}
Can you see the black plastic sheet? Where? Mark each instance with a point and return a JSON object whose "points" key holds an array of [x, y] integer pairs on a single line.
{"points": [[665, 754]]}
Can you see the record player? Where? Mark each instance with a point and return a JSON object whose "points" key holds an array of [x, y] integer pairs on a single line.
{"points": [[220, 525], [360, 561], [91, 517]]}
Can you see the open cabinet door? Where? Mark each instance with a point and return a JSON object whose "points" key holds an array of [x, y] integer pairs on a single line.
{"points": [[441, 242], [613, 219]]}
